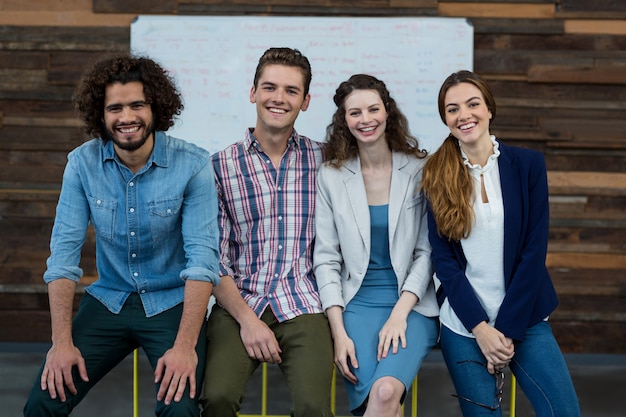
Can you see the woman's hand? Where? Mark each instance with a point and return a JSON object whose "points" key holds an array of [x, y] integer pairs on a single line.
{"points": [[345, 352], [497, 349], [345, 357], [392, 335]]}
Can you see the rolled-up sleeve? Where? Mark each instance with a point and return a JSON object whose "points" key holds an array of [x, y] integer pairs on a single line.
{"points": [[70, 228], [200, 229]]}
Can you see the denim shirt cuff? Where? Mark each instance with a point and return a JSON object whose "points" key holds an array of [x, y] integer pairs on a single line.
{"points": [[200, 274], [70, 272]]}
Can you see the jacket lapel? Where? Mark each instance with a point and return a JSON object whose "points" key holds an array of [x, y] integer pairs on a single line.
{"points": [[511, 196], [398, 191], [355, 189]]}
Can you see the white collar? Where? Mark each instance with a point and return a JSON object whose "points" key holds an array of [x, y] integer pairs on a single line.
{"points": [[491, 162]]}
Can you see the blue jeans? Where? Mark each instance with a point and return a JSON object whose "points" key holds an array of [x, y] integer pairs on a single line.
{"points": [[538, 365], [104, 340]]}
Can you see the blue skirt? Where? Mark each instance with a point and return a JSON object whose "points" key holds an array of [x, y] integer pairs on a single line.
{"points": [[363, 321]]}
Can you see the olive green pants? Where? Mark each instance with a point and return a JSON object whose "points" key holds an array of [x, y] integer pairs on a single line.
{"points": [[307, 364]]}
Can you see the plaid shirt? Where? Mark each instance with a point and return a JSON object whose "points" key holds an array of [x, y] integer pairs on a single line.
{"points": [[267, 224]]}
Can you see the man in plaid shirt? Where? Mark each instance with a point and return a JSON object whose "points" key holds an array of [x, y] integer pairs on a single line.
{"points": [[268, 307]]}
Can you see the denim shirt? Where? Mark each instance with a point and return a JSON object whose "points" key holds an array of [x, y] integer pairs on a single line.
{"points": [[154, 229]]}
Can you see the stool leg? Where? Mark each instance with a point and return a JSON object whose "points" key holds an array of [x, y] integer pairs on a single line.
{"points": [[513, 394], [264, 391], [333, 391], [136, 383], [413, 399]]}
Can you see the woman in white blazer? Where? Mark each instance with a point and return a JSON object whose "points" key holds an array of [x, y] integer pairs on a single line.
{"points": [[372, 255]]}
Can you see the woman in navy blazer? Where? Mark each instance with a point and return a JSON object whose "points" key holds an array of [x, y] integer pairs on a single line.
{"points": [[488, 226], [372, 256]]}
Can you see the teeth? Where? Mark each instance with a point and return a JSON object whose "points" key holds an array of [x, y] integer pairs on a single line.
{"points": [[467, 126], [279, 111], [368, 129], [129, 129]]}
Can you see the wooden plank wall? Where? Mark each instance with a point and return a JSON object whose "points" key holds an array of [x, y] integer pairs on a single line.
{"points": [[558, 70]]}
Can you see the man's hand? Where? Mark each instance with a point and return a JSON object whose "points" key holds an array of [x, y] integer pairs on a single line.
{"points": [[256, 336], [260, 341], [57, 372], [173, 370], [63, 355], [178, 364]]}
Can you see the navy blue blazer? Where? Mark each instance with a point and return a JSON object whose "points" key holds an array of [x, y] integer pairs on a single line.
{"points": [[530, 295]]}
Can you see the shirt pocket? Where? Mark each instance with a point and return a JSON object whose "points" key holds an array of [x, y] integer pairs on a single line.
{"points": [[103, 216], [165, 217]]}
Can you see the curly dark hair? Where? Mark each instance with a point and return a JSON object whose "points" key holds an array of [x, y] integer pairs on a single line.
{"points": [[341, 145], [158, 86]]}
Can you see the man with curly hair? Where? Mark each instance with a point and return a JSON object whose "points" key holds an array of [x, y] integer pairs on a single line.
{"points": [[152, 201]]}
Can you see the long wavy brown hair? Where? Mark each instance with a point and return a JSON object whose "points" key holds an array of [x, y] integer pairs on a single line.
{"points": [[446, 180], [341, 145], [158, 87]]}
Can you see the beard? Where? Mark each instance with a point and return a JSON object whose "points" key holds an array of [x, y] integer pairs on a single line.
{"points": [[130, 146]]}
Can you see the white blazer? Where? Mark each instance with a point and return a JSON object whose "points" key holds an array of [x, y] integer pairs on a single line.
{"points": [[343, 240]]}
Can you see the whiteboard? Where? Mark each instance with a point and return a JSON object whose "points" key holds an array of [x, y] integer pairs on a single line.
{"points": [[213, 59]]}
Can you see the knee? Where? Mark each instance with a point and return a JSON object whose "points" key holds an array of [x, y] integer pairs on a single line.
{"points": [[386, 390], [39, 404], [185, 408], [220, 402], [311, 399]]}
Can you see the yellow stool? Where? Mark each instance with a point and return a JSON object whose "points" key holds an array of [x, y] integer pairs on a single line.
{"points": [[333, 395]]}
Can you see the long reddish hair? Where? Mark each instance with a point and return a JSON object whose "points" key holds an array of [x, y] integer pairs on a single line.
{"points": [[446, 180]]}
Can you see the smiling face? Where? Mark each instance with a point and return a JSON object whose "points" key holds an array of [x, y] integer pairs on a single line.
{"points": [[467, 115], [366, 116], [127, 117], [279, 97]]}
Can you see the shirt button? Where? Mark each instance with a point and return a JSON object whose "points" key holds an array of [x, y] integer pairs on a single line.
{"points": [[134, 255], [143, 291], [132, 210], [169, 211], [280, 217], [98, 201], [135, 274], [275, 275], [131, 184], [268, 161], [132, 233], [280, 188], [280, 247]]}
